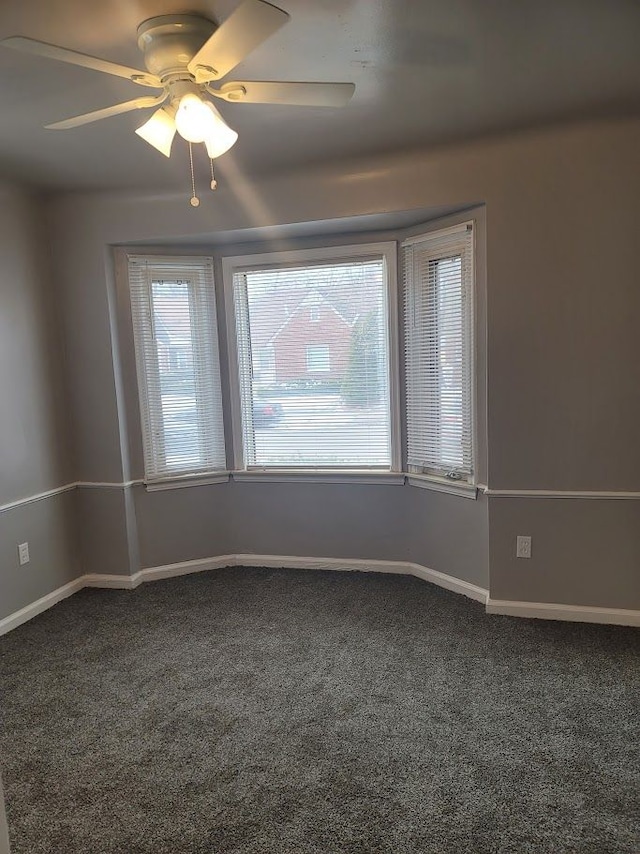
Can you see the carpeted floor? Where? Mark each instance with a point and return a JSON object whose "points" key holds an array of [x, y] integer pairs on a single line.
{"points": [[299, 712]]}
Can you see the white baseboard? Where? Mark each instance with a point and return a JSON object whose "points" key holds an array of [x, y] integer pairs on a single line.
{"points": [[171, 570], [449, 582], [112, 582], [572, 613], [541, 610], [456, 585], [43, 604], [155, 573]]}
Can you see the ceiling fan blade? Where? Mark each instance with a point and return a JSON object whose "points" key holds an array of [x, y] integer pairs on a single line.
{"points": [[116, 109], [246, 28], [295, 94], [52, 51]]}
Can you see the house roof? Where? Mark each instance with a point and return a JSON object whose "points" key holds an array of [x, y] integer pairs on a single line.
{"points": [[267, 320]]}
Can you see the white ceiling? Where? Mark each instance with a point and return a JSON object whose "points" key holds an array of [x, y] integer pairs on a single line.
{"points": [[426, 72]]}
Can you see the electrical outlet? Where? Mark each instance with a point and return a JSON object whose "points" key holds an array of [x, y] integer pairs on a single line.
{"points": [[523, 547], [23, 553]]}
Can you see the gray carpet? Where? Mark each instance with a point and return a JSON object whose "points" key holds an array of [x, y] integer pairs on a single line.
{"points": [[291, 712]]}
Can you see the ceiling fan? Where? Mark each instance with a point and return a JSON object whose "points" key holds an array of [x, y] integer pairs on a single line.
{"points": [[184, 55]]}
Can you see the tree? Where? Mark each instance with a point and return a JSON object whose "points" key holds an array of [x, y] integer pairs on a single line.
{"points": [[362, 383]]}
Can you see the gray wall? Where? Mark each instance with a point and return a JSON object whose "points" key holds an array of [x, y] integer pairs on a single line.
{"points": [[563, 366], [585, 551], [380, 522], [34, 435]]}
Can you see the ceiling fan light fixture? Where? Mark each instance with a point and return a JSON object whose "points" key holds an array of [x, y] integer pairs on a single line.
{"points": [[199, 121], [183, 53], [160, 130], [221, 137], [194, 120]]}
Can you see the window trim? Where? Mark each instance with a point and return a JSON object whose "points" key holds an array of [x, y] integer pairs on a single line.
{"points": [[358, 252], [425, 479], [118, 265], [191, 268], [462, 488], [371, 476]]}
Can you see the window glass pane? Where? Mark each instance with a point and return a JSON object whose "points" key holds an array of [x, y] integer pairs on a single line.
{"points": [[318, 358], [313, 357], [172, 322], [175, 334], [438, 277], [448, 284]]}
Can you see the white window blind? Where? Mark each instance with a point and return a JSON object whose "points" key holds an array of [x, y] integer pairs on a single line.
{"points": [[177, 357], [438, 286], [313, 364]]}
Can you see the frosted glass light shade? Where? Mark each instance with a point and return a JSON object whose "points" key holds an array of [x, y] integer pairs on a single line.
{"points": [[221, 140], [160, 130], [199, 121], [193, 119]]}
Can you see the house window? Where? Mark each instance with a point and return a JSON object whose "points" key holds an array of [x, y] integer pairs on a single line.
{"points": [[175, 335], [318, 358], [330, 379], [438, 277]]}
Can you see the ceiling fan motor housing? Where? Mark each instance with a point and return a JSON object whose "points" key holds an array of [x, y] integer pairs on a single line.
{"points": [[170, 41]]}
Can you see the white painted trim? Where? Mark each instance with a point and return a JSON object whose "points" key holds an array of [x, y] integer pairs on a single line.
{"points": [[104, 484], [428, 231], [393, 325], [319, 476], [572, 613], [67, 487], [540, 610], [112, 582], [171, 570], [456, 585], [555, 493], [187, 480], [156, 573], [40, 496], [360, 251], [257, 261], [43, 604], [233, 367], [449, 582], [453, 487]]}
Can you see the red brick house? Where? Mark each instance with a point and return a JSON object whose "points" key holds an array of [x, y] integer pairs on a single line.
{"points": [[311, 342]]}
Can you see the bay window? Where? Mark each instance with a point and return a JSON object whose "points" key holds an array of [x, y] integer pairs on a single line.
{"points": [[313, 340]]}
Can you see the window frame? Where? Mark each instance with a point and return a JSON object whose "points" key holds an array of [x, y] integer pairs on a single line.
{"points": [[434, 479], [198, 273], [358, 252]]}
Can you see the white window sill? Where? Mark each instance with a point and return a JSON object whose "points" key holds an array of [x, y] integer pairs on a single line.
{"points": [[436, 484], [320, 476], [440, 484], [186, 480]]}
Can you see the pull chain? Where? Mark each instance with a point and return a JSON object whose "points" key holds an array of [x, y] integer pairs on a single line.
{"points": [[214, 183], [194, 200]]}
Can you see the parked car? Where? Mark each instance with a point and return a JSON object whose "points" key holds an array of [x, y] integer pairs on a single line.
{"points": [[266, 413]]}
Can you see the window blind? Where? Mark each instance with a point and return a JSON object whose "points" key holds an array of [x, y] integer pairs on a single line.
{"points": [[313, 362], [177, 358], [438, 285]]}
